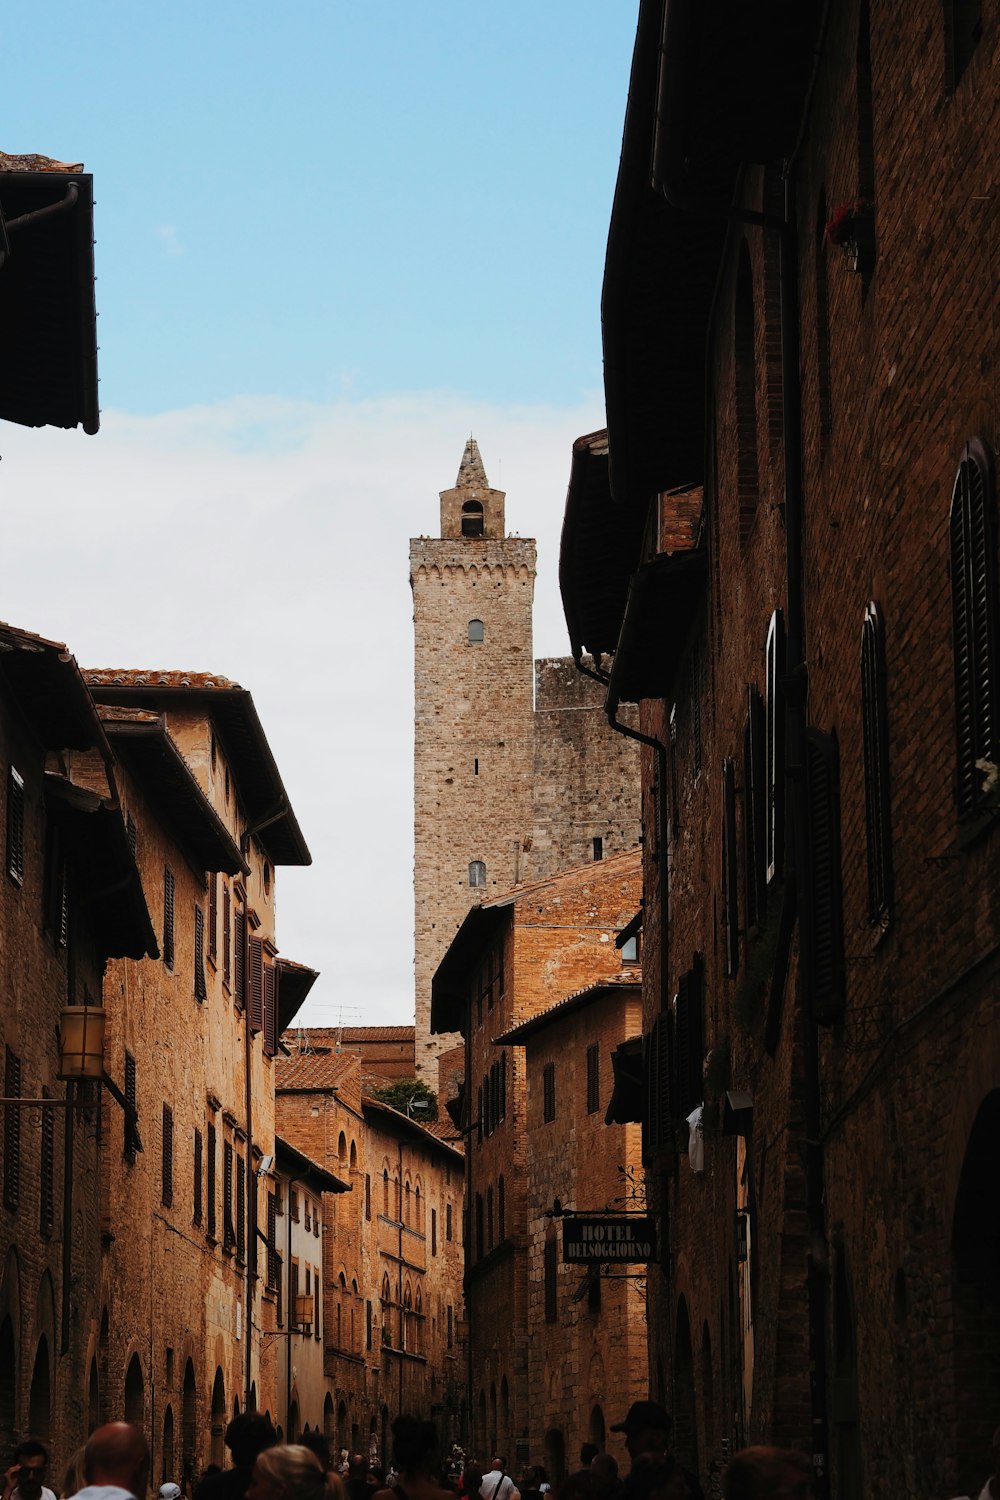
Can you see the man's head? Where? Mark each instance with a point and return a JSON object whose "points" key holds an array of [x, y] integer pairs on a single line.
{"points": [[646, 1427], [357, 1467], [247, 1436], [760, 1473], [118, 1454], [499, 1465], [588, 1453], [31, 1459]]}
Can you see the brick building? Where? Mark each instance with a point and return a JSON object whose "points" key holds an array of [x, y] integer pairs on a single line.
{"points": [[191, 1039], [70, 899], [509, 755], [513, 957], [392, 1264], [587, 1343], [793, 571]]}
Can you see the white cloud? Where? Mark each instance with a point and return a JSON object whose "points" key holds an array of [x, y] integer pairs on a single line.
{"points": [[268, 541]]}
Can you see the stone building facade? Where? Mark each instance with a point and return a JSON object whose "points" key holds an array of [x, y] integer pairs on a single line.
{"points": [[392, 1282], [191, 1038], [807, 617], [508, 753], [587, 1346], [513, 957]]}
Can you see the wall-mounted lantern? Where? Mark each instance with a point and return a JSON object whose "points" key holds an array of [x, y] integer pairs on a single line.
{"points": [[304, 1311], [81, 1043]]}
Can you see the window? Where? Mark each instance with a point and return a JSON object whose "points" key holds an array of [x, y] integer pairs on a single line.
{"points": [[228, 1227], [12, 1131], [875, 740], [368, 1326], [293, 1204], [211, 1226], [598, 848], [227, 935], [550, 1277], [198, 1149], [167, 1158], [130, 1098], [15, 825], [974, 610], [675, 813], [630, 949], [213, 914], [385, 1192], [240, 959], [549, 1091], [46, 1173], [476, 632], [447, 1221], [593, 1078], [199, 954], [256, 984], [270, 1010], [272, 1241], [477, 873], [168, 918], [434, 1231], [472, 518], [368, 1196], [131, 834], [241, 1209]]}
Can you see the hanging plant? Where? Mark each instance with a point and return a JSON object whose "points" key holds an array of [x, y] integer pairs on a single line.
{"points": [[851, 227]]}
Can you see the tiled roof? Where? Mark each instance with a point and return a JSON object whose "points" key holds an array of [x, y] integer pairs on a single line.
{"points": [[627, 861], [376, 1033], [315, 1067], [630, 982], [147, 677]]}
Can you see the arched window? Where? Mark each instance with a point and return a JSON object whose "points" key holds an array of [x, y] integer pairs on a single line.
{"points": [[472, 518], [417, 1210], [477, 873], [354, 1157], [342, 1147], [385, 1191], [477, 634], [406, 1201], [974, 610]]}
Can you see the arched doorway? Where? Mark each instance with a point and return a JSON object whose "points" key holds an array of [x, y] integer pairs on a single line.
{"points": [[555, 1455], [8, 1386], [975, 1236], [189, 1423], [167, 1454], [596, 1427], [135, 1394], [40, 1394], [328, 1424], [219, 1419], [685, 1416]]}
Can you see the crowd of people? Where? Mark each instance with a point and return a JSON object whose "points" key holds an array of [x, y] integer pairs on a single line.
{"points": [[115, 1464]]}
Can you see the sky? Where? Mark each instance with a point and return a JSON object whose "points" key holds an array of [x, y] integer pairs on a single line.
{"points": [[333, 240]]}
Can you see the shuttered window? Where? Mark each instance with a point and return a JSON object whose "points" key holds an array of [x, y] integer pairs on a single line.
{"points": [[12, 1131], [754, 811], [256, 985], [130, 1100], [730, 877], [168, 918], [549, 1091], [15, 825], [240, 960], [227, 935], [211, 1225], [270, 1010], [689, 1041], [875, 740], [228, 1227], [272, 1241], [823, 929], [774, 748], [657, 1055], [197, 1183], [167, 1157], [241, 1209], [131, 834], [46, 1170], [593, 1078], [974, 634], [199, 954], [213, 915]]}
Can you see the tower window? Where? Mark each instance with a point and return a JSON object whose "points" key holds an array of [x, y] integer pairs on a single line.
{"points": [[477, 873], [472, 518], [598, 848], [476, 632]]}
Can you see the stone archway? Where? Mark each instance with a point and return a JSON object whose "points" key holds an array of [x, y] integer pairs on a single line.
{"points": [[135, 1393], [219, 1419], [167, 1451]]}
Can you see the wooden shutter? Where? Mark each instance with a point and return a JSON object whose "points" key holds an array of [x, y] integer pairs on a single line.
{"points": [[130, 1100], [197, 1184], [239, 960], [12, 1131], [272, 1240], [730, 881], [212, 1225], [15, 825], [168, 918], [754, 811], [241, 1209], [213, 914], [199, 954], [227, 935], [974, 610], [256, 984], [823, 926], [875, 743], [270, 1010], [46, 1170], [228, 1228], [167, 1157], [775, 745], [131, 834]]}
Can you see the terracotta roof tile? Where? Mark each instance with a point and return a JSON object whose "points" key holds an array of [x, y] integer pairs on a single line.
{"points": [[149, 677], [314, 1066]]}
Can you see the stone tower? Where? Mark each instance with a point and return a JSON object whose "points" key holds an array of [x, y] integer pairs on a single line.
{"points": [[473, 730]]}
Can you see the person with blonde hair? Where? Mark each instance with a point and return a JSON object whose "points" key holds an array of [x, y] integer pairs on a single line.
{"points": [[74, 1477], [290, 1471]]}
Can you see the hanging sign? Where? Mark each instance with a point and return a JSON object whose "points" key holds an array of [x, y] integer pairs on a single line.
{"points": [[623, 1238]]}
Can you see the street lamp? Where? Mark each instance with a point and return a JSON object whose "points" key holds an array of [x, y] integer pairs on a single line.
{"points": [[81, 1043]]}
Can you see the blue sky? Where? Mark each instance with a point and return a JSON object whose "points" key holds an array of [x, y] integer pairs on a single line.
{"points": [[332, 241]]}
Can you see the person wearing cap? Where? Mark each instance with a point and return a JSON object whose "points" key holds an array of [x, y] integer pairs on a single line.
{"points": [[647, 1427], [170, 1491]]}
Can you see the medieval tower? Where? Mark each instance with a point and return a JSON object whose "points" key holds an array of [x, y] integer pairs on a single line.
{"points": [[474, 724]]}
